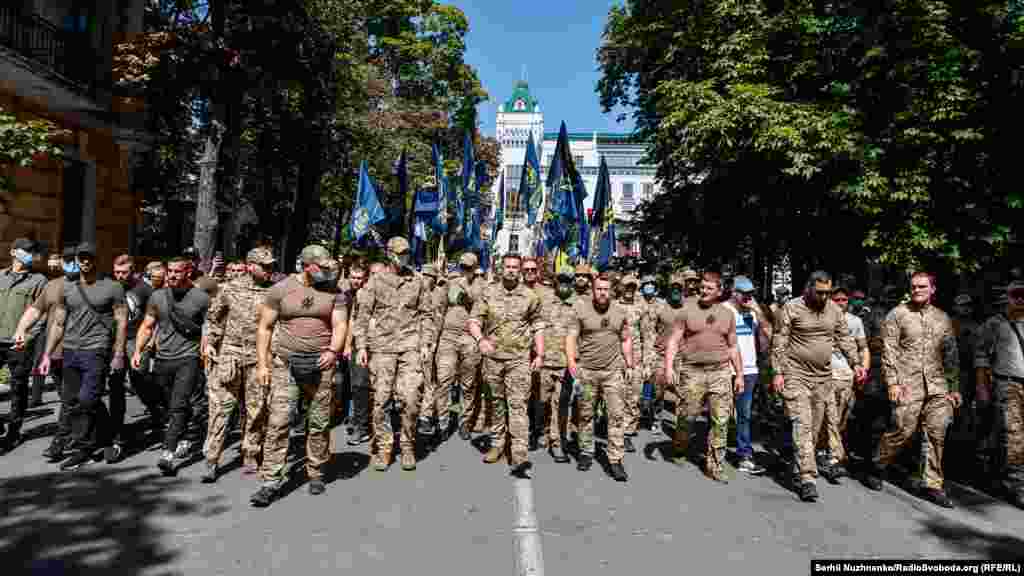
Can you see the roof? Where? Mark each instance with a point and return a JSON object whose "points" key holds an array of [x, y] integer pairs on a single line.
{"points": [[520, 91], [602, 137]]}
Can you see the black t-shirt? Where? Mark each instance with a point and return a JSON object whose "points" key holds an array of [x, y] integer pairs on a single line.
{"points": [[86, 328], [137, 299], [170, 343]]}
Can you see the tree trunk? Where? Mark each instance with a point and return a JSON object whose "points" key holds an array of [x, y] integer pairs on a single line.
{"points": [[206, 197]]}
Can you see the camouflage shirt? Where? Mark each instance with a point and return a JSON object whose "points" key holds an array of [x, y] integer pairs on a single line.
{"points": [[805, 339], [919, 346], [402, 310], [232, 318], [511, 317], [456, 305], [558, 316], [663, 318], [639, 319]]}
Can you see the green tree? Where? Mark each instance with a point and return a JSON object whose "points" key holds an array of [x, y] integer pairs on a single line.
{"points": [[22, 142]]}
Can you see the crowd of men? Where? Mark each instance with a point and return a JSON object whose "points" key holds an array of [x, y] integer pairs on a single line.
{"points": [[531, 359]]}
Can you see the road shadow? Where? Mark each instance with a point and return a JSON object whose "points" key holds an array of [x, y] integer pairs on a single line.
{"points": [[92, 521], [975, 543], [347, 465]]}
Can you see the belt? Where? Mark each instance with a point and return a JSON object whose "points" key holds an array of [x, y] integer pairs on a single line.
{"points": [[708, 367], [1014, 379]]}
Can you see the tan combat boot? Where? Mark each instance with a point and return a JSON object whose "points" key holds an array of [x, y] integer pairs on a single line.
{"points": [[408, 460], [493, 455]]}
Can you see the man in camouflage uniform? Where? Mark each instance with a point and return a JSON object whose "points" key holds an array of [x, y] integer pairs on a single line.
{"points": [[458, 357], [871, 412], [808, 329], [641, 331], [557, 310], [399, 301], [432, 406], [230, 350], [583, 279], [1000, 373], [504, 322], [299, 338], [664, 314], [600, 334], [919, 357], [691, 283]]}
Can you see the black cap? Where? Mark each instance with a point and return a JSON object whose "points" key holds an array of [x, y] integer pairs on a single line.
{"points": [[23, 244], [69, 253], [86, 248]]}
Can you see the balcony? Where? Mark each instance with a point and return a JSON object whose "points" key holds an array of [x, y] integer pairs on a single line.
{"points": [[68, 55]]}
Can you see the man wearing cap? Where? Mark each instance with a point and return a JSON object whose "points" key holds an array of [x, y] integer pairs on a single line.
{"points": [[401, 338], [691, 283], [19, 287], [1000, 379], [584, 276], [92, 318], [229, 346], [432, 405], [663, 317], [457, 354], [808, 329], [872, 410], [557, 312], [599, 331], [505, 321], [921, 365], [966, 329], [177, 313], [751, 337], [299, 338], [638, 318], [535, 408]]}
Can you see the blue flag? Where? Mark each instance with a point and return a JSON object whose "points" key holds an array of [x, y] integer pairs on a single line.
{"points": [[531, 191], [367, 210], [604, 217], [499, 216], [485, 256], [566, 191]]}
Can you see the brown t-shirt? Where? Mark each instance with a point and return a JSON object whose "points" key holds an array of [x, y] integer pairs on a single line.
{"points": [[598, 335], [51, 297], [304, 315], [708, 333]]}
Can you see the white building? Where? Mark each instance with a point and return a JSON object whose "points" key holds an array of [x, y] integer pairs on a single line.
{"points": [[632, 183]]}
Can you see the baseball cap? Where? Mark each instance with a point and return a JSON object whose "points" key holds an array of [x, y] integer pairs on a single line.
{"points": [[742, 284], [689, 274], [316, 254], [963, 300], [398, 245], [630, 279], [468, 260], [85, 248]]}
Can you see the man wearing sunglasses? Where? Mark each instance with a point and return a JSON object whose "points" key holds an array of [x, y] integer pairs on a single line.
{"points": [[1000, 378], [808, 329], [751, 336]]}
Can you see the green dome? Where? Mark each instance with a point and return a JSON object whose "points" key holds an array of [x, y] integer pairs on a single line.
{"points": [[520, 100]]}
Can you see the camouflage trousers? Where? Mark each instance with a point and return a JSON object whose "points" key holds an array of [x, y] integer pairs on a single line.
{"points": [[634, 389], [697, 385], [428, 399], [804, 400], [830, 416], [610, 386], [550, 391], [319, 394], [457, 364], [662, 390], [396, 384], [225, 384], [932, 414], [1009, 398], [509, 381]]}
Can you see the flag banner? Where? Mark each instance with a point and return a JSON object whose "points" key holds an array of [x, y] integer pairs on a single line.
{"points": [[531, 191], [367, 211]]}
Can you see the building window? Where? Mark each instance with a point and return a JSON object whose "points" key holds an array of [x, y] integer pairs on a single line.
{"points": [[578, 160], [513, 243], [628, 201], [648, 191]]}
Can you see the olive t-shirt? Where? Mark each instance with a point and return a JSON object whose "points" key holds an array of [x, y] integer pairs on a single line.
{"points": [[85, 328], [170, 343], [303, 315], [598, 335], [708, 333]]}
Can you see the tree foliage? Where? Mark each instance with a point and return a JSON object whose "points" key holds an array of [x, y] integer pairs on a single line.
{"points": [[22, 142], [826, 128]]}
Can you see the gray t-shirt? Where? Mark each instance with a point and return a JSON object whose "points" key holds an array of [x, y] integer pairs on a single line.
{"points": [[171, 344], [999, 348], [839, 364], [83, 328]]}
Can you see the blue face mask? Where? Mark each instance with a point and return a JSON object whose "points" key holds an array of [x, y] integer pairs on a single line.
{"points": [[648, 290], [71, 268], [23, 257]]}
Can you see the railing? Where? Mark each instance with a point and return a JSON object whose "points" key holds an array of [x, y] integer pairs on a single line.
{"points": [[66, 53]]}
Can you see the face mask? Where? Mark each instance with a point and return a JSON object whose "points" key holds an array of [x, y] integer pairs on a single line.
{"points": [[402, 260], [675, 296], [71, 271], [856, 303], [324, 278], [564, 291], [648, 290], [23, 257]]}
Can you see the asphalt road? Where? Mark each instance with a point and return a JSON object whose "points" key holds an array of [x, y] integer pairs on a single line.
{"points": [[454, 515]]}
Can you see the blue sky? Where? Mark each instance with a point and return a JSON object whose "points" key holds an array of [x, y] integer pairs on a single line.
{"points": [[557, 41]]}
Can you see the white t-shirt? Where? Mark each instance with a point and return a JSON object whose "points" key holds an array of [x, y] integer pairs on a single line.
{"points": [[840, 367], [746, 335]]}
